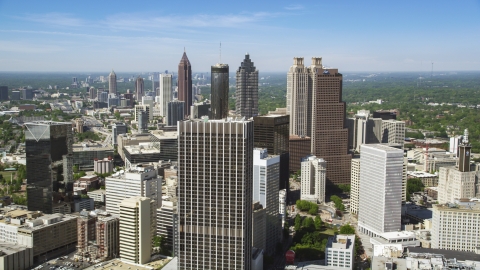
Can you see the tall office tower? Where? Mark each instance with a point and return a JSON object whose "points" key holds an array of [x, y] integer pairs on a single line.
{"points": [[246, 102], [137, 181], [107, 236], [143, 122], [314, 102], [139, 88], [27, 94], [464, 150], [219, 92], [313, 179], [393, 131], [15, 95], [299, 147], [112, 83], [215, 170], [155, 82], [300, 83], [365, 130], [165, 92], [117, 129], [145, 108], [355, 185], [380, 202], [271, 132], [135, 229], [3, 92], [74, 83], [259, 226], [266, 175], [185, 83], [175, 112], [92, 93], [49, 156]]}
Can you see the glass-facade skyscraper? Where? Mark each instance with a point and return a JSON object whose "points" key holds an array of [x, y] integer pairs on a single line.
{"points": [[246, 102], [49, 157], [219, 92]]}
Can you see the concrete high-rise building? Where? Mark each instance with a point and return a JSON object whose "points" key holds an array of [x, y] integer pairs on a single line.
{"points": [[314, 103], [107, 236], [246, 102], [313, 175], [266, 175], [175, 112], [259, 226], [355, 186], [26, 94], [380, 195], [167, 221], [137, 181], [117, 129], [455, 226], [139, 88], [165, 92], [215, 166], [112, 83], [219, 92], [364, 129], [455, 141], [135, 229], [3, 92], [393, 131], [79, 125], [145, 108], [271, 132], [49, 156], [185, 83], [92, 93], [458, 182], [142, 122]]}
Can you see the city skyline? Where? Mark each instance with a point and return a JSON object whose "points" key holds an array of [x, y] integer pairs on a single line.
{"points": [[355, 36]]}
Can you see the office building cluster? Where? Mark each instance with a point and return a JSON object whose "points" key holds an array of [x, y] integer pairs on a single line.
{"points": [[210, 186]]}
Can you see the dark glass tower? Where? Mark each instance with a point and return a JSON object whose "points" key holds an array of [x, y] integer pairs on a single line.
{"points": [[49, 156], [185, 83], [219, 92], [246, 102], [271, 132], [139, 88]]}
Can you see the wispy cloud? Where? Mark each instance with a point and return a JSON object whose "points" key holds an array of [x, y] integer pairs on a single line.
{"points": [[294, 7], [138, 22], [54, 19]]}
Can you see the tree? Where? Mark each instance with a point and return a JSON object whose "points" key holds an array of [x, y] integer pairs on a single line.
{"points": [[347, 229], [308, 223], [298, 222], [313, 209], [318, 223]]}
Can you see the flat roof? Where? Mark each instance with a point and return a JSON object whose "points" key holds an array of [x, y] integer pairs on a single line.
{"points": [[449, 254], [118, 264], [10, 248]]}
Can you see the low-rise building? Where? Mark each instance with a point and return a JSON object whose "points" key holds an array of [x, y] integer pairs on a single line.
{"points": [[15, 257], [97, 195], [103, 166], [84, 154], [456, 226], [88, 182], [340, 251]]}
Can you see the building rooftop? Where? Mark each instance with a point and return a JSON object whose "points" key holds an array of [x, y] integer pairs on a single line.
{"points": [[142, 148], [80, 147], [459, 205], [384, 263], [420, 174], [160, 134], [10, 248], [383, 147], [341, 241], [449, 254]]}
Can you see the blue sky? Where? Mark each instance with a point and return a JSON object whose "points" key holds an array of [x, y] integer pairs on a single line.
{"points": [[150, 36]]}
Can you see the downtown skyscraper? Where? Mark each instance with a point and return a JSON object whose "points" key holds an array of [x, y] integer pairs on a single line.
{"points": [[316, 109], [246, 102], [215, 171], [49, 157], [112, 83], [219, 92], [185, 83], [139, 88]]}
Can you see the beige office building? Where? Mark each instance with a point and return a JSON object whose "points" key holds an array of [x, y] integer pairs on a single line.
{"points": [[135, 230]]}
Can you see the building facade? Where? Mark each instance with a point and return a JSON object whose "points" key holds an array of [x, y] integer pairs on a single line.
{"points": [[266, 174], [49, 156], [112, 83], [316, 109], [3, 93], [313, 175], [380, 193], [219, 92], [138, 181], [246, 102], [340, 251], [139, 88], [393, 131], [456, 226], [214, 195], [355, 185], [175, 112], [185, 83], [165, 92], [135, 231]]}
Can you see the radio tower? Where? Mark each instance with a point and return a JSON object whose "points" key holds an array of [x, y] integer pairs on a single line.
{"points": [[431, 74]]}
